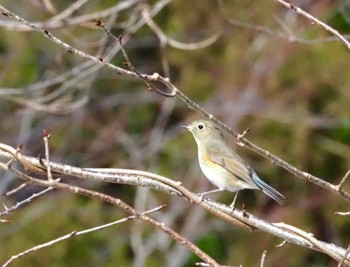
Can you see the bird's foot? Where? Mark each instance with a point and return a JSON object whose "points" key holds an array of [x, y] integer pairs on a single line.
{"points": [[201, 196], [232, 205]]}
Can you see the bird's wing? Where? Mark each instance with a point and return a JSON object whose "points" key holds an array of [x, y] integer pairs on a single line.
{"points": [[229, 160]]}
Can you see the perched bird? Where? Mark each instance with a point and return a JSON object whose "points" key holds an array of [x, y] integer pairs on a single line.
{"points": [[222, 166]]}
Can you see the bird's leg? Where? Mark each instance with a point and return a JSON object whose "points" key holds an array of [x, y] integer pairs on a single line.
{"points": [[201, 195], [232, 205]]}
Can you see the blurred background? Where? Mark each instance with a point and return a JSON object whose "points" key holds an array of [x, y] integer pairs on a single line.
{"points": [[263, 67]]}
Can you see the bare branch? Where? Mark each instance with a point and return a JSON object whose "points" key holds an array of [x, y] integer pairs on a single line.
{"points": [[344, 257], [119, 203], [76, 233], [263, 257], [315, 20], [164, 39], [143, 178], [343, 180], [26, 201], [64, 21], [46, 137], [342, 213], [15, 190], [309, 237]]}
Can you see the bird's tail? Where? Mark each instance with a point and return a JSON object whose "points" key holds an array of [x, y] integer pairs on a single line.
{"points": [[268, 190]]}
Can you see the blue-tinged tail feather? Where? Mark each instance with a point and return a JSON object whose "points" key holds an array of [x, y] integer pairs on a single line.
{"points": [[268, 190]]}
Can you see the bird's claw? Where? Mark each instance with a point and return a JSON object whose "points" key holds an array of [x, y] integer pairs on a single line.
{"points": [[201, 196]]}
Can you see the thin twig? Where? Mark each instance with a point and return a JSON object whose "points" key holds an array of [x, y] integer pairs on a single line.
{"points": [[15, 190], [128, 209], [18, 149], [344, 257], [166, 40], [340, 185], [76, 233], [26, 201], [46, 137], [263, 257], [347, 213], [315, 20], [128, 63], [242, 135], [310, 238]]}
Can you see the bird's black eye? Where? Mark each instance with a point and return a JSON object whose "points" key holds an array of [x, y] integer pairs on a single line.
{"points": [[200, 126]]}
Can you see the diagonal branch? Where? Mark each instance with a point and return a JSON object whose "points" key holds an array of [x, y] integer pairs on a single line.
{"points": [[119, 203], [143, 178]]}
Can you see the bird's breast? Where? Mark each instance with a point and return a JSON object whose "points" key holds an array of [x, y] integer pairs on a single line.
{"points": [[219, 176]]}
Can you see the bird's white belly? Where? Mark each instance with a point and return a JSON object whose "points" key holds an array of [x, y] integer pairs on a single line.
{"points": [[222, 178]]}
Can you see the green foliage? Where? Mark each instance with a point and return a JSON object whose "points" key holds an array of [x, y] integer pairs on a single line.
{"points": [[212, 244], [340, 22]]}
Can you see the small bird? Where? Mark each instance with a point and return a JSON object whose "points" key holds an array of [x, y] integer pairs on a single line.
{"points": [[222, 166]]}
